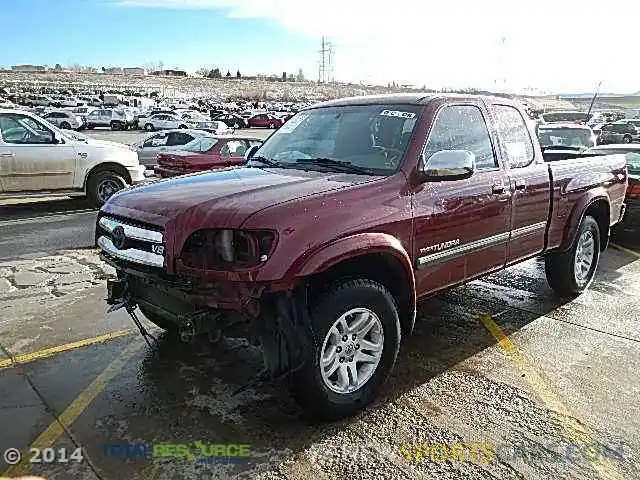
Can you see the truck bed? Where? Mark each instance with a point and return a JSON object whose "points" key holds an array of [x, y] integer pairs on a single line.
{"points": [[572, 177]]}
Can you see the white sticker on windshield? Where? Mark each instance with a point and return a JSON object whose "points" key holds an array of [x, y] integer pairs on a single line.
{"points": [[293, 122], [397, 113]]}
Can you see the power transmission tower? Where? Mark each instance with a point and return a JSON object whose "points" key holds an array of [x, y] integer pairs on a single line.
{"points": [[325, 65]]}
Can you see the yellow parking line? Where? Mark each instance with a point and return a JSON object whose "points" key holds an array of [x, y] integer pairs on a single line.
{"points": [[626, 250], [542, 387], [48, 352], [74, 410]]}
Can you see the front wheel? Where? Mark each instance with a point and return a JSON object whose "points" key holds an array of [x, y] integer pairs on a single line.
{"points": [[626, 139], [570, 273], [149, 127], [65, 126], [356, 337], [102, 185], [116, 126]]}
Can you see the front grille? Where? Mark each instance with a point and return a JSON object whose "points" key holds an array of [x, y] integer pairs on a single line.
{"points": [[131, 242]]}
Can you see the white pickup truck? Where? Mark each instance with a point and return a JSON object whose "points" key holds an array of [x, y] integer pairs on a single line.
{"points": [[39, 159]]}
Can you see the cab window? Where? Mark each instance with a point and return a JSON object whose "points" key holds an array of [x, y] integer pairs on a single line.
{"points": [[21, 130], [462, 127]]}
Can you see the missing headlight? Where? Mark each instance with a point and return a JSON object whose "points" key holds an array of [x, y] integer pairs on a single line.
{"points": [[214, 249]]}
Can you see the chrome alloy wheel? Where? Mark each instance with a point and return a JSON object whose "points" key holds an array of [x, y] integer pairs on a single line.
{"points": [[351, 350], [585, 256]]}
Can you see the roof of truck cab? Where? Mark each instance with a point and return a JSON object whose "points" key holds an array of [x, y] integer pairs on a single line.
{"points": [[402, 99]]}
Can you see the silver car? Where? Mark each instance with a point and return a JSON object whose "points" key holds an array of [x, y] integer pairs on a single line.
{"points": [[166, 141], [65, 120], [115, 118]]}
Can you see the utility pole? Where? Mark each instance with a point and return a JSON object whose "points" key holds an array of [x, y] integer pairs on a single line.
{"points": [[325, 65]]}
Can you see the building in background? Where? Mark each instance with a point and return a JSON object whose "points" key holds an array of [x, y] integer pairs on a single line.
{"points": [[112, 70], [29, 68], [170, 73], [134, 71]]}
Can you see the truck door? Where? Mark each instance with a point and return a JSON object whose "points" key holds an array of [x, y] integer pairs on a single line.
{"points": [[529, 183], [31, 158], [461, 227]]}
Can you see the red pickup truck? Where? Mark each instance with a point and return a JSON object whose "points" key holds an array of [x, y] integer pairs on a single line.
{"points": [[207, 153], [347, 216]]}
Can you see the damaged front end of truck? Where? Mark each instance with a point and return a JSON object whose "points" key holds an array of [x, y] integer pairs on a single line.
{"points": [[196, 297]]}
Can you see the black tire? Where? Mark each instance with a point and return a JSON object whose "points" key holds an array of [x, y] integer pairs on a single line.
{"points": [[65, 126], [116, 126], [159, 319], [627, 139], [308, 386], [560, 267], [96, 186], [149, 127], [182, 126], [237, 125], [90, 127]]}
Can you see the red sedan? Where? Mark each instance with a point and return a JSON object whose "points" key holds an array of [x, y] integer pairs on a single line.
{"points": [[265, 120], [205, 153]]}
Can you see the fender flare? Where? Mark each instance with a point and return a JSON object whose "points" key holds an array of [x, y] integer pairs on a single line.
{"points": [[356, 245], [577, 214]]}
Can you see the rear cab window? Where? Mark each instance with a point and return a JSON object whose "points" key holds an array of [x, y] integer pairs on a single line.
{"points": [[515, 139]]}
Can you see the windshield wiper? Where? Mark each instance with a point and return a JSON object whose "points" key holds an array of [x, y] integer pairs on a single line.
{"points": [[267, 161], [335, 164]]}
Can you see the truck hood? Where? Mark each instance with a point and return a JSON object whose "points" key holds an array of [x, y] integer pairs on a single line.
{"points": [[224, 198]]}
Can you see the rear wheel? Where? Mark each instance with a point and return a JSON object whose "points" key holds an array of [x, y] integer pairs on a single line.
{"points": [[626, 139], [149, 127], [102, 185], [116, 126], [355, 342], [65, 126], [182, 126], [570, 273]]}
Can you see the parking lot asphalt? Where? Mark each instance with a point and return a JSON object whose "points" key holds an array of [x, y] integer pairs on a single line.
{"points": [[500, 380]]}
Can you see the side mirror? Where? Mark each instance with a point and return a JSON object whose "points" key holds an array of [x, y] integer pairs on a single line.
{"points": [[448, 165], [251, 152]]}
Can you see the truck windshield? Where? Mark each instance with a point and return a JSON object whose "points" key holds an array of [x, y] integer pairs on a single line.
{"points": [[371, 138], [565, 137]]}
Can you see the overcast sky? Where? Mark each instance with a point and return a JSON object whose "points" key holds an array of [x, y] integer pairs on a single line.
{"points": [[560, 45]]}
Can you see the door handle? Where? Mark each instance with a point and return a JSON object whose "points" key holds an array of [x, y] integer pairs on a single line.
{"points": [[7, 154], [497, 188], [520, 184]]}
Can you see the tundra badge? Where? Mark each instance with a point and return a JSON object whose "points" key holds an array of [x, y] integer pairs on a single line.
{"points": [[440, 246]]}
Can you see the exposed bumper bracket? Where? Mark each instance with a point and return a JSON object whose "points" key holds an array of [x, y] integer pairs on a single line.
{"points": [[118, 297]]}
